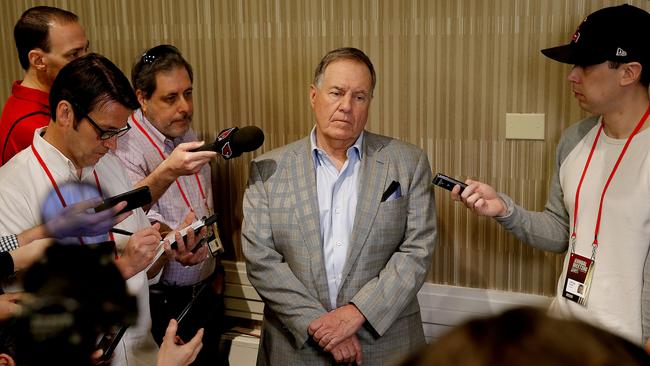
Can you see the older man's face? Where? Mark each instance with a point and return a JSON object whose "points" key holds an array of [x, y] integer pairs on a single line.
{"points": [[170, 107], [341, 103]]}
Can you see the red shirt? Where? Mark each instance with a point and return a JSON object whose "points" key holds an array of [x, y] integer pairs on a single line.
{"points": [[26, 110]]}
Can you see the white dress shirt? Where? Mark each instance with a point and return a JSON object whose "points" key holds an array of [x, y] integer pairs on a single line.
{"points": [[23, 187]]}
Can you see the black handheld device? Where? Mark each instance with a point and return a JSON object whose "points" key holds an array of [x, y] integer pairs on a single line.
{"points": [[196, 226], [212, 239], [109, 341], [447, 183], [189, 305], [134, 199]]}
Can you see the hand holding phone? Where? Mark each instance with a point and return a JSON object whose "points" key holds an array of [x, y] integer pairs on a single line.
{"points": [[109, 342], [174, 352], [134, 199], [212, 239], [196, 226], [448, 183]]}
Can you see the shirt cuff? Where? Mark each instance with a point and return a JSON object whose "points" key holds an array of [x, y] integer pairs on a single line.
{"points": [[8, 243], [510, 206]]}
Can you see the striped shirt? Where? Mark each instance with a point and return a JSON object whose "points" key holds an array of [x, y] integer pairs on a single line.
{"points": [[140, 158]]}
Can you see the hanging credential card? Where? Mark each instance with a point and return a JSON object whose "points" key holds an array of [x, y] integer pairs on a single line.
{"points": [[578, 278]]}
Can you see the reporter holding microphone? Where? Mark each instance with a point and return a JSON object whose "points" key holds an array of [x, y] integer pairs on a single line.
{"points": [[157, 153]]}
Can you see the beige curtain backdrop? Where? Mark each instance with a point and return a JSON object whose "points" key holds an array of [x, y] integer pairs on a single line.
{"points": [[448, 72]]}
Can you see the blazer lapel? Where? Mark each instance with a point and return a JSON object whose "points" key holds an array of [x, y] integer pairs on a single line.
{"points": [[372, 180], [307, 214]]}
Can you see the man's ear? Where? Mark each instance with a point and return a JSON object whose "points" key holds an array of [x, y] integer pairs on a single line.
{"points": [[6, 360], [631, 73], [312, 94], [141, 99], [64, 114], [36, 60]]}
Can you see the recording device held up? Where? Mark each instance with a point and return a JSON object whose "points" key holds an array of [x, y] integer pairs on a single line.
{"points": [[212, 239], [232, 142], [448, 183], [135, 198]]}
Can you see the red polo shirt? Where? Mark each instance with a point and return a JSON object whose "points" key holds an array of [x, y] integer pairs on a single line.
{"points": [[26, 110]]}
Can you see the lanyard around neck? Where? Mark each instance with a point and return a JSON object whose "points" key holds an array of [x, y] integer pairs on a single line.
{"points": [[58, 191], [609, 179], [162, 156]]}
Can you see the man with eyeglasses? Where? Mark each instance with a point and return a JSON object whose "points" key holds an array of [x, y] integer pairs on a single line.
{"points": [[162, 79], [47, 38], [90, 101]]}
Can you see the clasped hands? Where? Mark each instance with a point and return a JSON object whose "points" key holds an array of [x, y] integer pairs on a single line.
{"points": [[336, 331]]}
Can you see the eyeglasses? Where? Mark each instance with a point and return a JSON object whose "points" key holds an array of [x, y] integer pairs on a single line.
{"points": [[150, 56], [107, 134]]}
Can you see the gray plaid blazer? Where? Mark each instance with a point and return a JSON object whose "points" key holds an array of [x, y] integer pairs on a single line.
{"points": [[388, 257]]}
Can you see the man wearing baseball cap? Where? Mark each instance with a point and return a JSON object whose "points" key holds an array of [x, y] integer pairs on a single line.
{"points": [[597, 211]]}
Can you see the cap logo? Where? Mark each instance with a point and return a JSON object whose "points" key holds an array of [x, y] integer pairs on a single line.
{"points": [[621, 52], [575, 37]]}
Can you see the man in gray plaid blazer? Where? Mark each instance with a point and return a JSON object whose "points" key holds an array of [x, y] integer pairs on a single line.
{"points": [[338, 231]]}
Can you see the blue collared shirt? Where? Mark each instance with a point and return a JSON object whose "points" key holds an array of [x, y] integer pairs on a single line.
{"points": [[337, 205]]}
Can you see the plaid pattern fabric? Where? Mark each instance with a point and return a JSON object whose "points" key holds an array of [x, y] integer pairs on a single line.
{"points": [[8, 243], [389, 254]]}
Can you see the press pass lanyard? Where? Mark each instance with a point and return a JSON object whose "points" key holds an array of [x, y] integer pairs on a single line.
{"points": [[162, 155], [58, 191], [609, 179]]}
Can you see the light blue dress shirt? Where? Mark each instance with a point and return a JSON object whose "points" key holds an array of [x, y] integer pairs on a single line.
{"points": [[337, 205]]}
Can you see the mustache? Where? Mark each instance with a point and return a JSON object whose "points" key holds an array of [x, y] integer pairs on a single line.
{"points": [[185, 117]]}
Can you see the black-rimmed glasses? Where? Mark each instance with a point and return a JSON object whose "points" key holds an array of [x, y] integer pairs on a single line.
{"points": [[107, 134], [150, 56]]}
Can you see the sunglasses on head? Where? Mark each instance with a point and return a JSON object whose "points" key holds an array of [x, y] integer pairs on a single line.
{"points": [[152, 54]]}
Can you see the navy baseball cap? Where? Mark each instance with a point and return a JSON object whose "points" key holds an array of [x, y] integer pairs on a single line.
{"points": [[618, 33]]}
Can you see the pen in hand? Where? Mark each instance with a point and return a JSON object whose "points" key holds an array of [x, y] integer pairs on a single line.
{"points": [[120, 231]]}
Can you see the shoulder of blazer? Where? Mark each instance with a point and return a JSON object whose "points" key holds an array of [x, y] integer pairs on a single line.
{"points": [[281, 152], [281, 160], [389, 145]]}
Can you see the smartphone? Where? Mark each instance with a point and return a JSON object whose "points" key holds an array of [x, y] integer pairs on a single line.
{"points": [[196, 226], [134, 199], [448, 183], [212, 239], [188, 307], [109, 341]]}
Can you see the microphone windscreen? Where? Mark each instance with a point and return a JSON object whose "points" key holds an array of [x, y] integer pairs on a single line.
{"points": [[247, 139]]}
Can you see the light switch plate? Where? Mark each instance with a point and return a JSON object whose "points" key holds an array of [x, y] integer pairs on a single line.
{"points": [[525, 126]]}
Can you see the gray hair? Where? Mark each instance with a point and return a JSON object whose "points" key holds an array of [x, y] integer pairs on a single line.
{"points": [[345, 53]]}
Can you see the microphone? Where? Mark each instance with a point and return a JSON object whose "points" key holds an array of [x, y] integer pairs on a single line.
{"points": [[232, 142]]}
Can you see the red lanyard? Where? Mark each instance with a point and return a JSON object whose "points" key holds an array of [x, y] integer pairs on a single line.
{"points": [[162, 156], [609, 179], [58, 191]]}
